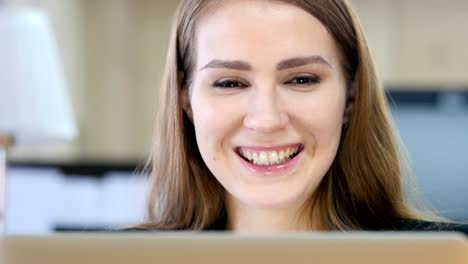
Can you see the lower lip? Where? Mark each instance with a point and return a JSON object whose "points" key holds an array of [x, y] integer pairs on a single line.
{"points": [[271, 169]]}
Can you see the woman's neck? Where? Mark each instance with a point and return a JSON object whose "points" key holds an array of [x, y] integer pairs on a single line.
{"points": [[242, 218]]}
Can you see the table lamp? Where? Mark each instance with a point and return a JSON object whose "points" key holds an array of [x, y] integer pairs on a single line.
{"points": [[34, 102]]}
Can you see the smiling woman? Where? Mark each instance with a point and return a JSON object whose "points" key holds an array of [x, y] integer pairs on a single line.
{"points": [[285, 98], [272, 118]]}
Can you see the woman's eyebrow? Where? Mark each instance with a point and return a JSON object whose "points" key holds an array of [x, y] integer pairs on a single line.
{"points": [[229, 64], [301, 61], [282, 65]]}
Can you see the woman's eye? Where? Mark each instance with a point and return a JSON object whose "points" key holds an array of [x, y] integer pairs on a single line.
{"points": [[229, 84], [304, 80]]}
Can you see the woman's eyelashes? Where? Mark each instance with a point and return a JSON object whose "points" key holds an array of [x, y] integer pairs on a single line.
{"points": [[304, 80], [229, 84], [300, 80]]}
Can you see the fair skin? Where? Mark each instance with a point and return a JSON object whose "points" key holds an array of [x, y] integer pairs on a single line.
{"points": [[267, 99]]}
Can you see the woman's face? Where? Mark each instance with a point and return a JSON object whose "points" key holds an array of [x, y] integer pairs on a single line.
{"points": [[267, 96]]}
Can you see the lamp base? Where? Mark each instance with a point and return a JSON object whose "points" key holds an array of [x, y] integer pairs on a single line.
{"points": [[5, 142]]}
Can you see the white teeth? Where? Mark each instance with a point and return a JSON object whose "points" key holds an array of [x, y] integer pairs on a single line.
{"points": [[248, 155], [255, 158], [281, 155], [265, 158], [273, 157]]}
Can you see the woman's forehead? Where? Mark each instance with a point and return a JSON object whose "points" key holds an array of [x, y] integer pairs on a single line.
{"points": [[258, 30]]}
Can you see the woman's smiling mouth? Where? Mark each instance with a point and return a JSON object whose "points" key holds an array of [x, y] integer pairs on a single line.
{"points": [[269, 159]]}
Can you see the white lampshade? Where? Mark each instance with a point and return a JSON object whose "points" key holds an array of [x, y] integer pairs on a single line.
{"points": [[34, 102]]}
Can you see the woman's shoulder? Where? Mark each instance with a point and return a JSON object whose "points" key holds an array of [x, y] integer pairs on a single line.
{"points": [[423, 225]]}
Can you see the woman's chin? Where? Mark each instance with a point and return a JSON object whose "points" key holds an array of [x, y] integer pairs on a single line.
{"points": [[272, 201]]}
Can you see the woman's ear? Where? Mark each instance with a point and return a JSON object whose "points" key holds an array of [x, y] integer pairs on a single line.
{"points": [[186, 103], [351, 95]]}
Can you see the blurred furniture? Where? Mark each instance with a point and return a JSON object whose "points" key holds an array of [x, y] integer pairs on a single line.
{"points": [[74, 195], [34, 103]]}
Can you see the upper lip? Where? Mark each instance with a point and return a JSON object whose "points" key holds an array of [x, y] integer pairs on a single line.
{"points": [[268, 148]]}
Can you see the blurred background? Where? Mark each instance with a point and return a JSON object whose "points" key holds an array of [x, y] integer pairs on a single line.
{"points": [[112, 53]]}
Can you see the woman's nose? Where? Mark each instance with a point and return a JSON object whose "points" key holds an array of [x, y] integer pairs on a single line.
{"points": [[265, 112]]}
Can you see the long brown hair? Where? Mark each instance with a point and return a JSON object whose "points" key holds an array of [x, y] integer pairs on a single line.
{"points": [[363, 188]]}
